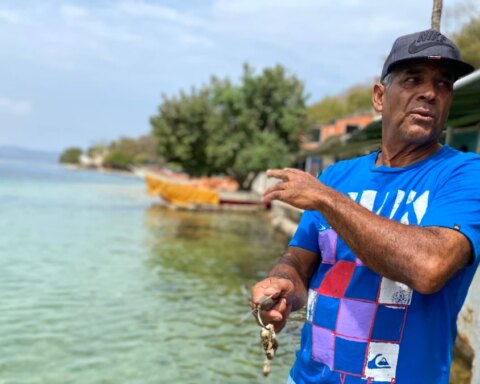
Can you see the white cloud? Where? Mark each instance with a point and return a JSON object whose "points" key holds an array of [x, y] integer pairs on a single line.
{"points": [[15, 107], [147, 10]]}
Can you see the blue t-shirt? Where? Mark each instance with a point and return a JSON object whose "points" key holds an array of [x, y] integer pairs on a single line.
{"points": [[362, 327]]}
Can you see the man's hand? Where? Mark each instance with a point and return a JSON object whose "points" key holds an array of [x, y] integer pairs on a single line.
{"points": [[297, 188], [280, 289]]}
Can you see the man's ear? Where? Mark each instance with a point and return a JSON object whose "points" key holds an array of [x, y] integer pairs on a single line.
{"points": [[377, 97]]}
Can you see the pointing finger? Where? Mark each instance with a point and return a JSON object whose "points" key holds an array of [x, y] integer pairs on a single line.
{"points": [[278, 173]]}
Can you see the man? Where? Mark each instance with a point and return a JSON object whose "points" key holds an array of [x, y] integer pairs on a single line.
{"points": [[389, 242]]}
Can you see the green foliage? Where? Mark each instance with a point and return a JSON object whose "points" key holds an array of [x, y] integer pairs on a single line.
{"points": [[181, 129], [268, 151], [71, 155], [356, 99], [238, 130], [359, 99], [327, 109], [118, 160], [276, 102], [144, 158], [97, 149], [127, 152], [468, 40]]}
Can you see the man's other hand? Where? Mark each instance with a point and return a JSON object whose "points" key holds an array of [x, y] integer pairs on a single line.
{"points": [[279, 289]]}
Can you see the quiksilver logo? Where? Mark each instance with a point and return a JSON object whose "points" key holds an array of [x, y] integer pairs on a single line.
{"points": [[426, 40], [378, 362]]}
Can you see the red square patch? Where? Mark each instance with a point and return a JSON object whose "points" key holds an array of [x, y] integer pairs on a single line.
{"points": [[336, 280]]}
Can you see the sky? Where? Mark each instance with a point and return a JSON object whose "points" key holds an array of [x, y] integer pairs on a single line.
{"points": [[81, 73]]}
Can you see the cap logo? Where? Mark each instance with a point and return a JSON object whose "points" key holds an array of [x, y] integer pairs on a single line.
{"points": [[426, 40]]}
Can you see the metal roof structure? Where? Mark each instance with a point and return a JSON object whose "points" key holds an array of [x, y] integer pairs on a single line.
{"points": [[465, 110]]}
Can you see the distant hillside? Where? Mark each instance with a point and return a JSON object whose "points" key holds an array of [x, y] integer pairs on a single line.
{"points": [[18, 153]]}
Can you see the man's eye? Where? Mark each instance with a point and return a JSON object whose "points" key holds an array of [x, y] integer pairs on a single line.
{"points": [[411, 80], [447, 84]]}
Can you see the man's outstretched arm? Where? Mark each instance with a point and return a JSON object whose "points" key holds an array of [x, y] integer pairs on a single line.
{"points": [[424, 258]]}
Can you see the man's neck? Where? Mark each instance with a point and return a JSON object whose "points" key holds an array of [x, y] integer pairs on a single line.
{"points": [[405, 156]]}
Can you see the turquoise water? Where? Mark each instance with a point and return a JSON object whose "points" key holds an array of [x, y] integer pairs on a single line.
{"points": [[99, 285]]}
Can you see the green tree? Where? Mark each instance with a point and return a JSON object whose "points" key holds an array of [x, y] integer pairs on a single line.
{"points": [[118, 160], [181, 130], [468, 40], [359, 99], [120, 154], [266, 151], [354, 100], [146, 151], [276, 101], [96, 149], [71, 155], [262, 119], [231, 120], [127, 152], [239, 130], [327, 109]]}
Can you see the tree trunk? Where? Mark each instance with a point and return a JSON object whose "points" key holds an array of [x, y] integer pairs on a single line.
{"points": [[437, 14]]}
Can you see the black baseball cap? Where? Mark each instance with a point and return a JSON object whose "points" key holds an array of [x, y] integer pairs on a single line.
{"points": [[425, 46]]}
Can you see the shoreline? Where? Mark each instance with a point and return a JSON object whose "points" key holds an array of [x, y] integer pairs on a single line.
{"points": [[74, 167]]}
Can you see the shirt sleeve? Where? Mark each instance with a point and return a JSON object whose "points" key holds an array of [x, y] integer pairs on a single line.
{"points": [[456, 204], [306, 235]]}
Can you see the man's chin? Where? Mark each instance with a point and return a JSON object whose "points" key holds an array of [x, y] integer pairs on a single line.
{"points": [[421, 133]]}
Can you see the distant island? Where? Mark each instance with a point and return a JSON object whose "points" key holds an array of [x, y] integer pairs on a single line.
{"points": [[11, 152]]}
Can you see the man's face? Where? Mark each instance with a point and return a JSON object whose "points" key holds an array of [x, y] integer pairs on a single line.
{"points": [[415, 104]]}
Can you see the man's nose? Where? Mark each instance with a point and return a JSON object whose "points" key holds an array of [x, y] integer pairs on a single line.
{"points": [[428, 91]]}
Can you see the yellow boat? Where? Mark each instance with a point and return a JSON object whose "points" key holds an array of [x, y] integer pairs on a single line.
{"points": [[180, 191]]}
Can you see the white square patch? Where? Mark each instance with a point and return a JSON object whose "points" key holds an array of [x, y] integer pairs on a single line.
{"points": [[312, 301], [393, 292], [382, 362]]}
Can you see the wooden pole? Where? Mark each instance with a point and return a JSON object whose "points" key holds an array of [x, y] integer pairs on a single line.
{"points": [[437, 14]]}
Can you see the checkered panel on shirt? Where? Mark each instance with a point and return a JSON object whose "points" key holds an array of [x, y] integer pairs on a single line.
{"points": [[354, 313]]}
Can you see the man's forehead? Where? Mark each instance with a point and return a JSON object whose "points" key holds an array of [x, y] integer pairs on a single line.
{"points": [[439, 67]]}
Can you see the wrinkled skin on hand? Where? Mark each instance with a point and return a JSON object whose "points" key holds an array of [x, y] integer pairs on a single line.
{"points": [[296, 188], [279, 288]]}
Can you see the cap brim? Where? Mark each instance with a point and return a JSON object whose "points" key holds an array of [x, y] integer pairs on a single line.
{"points": [[459, 68]]}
